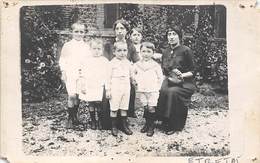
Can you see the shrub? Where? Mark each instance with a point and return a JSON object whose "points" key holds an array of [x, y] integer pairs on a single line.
{"points": [[41, 47]]}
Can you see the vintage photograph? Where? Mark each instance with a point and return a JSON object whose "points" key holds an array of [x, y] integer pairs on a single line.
{"points": [[119, 79]]}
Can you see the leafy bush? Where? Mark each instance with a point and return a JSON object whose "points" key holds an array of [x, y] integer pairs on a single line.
{"points": [[209, 53], [41, 46], [40, 72]]}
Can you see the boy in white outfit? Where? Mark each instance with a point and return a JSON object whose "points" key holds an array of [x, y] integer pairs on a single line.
{"points": [[72, 54], [94, 72], [148, 77], [118, 87]]}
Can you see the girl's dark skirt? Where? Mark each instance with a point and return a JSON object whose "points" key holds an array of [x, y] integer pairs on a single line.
{"points": [[172, 105]]}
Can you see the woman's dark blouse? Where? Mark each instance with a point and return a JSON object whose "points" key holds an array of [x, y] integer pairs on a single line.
{"points": [[181, 58]]}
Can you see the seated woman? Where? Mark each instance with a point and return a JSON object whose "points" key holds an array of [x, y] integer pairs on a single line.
{"points": [[178, 85]]}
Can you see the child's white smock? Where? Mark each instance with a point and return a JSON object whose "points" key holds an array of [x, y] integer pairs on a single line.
{"points": [[95, 73], [72, 55]]}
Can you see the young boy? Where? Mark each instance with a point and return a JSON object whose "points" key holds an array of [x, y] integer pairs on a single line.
{"points": [[118, 87], [94, 73], [148, 77], [72, 54]]}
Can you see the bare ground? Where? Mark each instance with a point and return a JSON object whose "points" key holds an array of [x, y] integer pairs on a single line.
{"points": [[206, 132]]}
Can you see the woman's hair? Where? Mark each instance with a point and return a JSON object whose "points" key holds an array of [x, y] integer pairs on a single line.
{"points": [[148, 45], [136, 29], [175, 29], [123, 22]]}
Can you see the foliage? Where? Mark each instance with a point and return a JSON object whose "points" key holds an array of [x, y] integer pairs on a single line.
{"points": [[41, 46], [210, 54], [40, 72]]}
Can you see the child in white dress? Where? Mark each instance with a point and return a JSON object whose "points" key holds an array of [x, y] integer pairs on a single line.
{"points": [[94, 72], [72, 54], [148, 77]]}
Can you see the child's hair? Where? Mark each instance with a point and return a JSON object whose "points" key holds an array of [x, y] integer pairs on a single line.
{"points": [[79, 24], [96, 41], [137, 29], [148, 45], [118, 43]]}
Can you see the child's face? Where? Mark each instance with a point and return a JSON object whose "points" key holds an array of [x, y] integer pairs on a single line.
{"points": [[97, 49], [146, 53], [121, 51], [136, 37], [78, 33]]}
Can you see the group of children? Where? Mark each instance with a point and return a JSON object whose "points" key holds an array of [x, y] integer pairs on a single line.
{"points": [[87, 74]]}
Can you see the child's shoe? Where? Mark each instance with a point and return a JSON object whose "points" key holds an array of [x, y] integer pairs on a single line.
{"points": [[125, 128], [114, 129]]}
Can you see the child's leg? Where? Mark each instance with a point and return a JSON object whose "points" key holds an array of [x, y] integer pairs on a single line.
{"points": [[125, 127], [92, 115], [76, 108], [123, 111], [98, 110], [144, 102], [72, 111], [123, 106], [113, 115], [152, 101]]}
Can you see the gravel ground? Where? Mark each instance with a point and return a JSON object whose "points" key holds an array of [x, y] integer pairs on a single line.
{"points": [[206, 132]]}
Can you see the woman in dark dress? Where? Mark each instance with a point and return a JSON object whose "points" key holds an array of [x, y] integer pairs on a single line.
{"points": [[121, 28], [175, 95]]}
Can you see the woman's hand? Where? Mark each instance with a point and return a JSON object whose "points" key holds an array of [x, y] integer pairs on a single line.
{"points": [[187, 74], [178, 73]]}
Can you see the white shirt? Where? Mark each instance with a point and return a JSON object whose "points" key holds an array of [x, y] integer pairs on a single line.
{"points": [[148, 76], [73, 53]]}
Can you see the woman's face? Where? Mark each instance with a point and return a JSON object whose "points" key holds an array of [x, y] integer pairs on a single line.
{"points": [[173, 38], [136, 37], [120, 31]]}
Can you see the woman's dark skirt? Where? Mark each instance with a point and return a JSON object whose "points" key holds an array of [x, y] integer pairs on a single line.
{"points": [[105, 111], [172, 105]]}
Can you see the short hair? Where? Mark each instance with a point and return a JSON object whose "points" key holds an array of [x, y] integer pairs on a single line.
{"points": [[148, 45], [78, 24], [118, 43], [96, 41], [137, 29], [123, 22]]}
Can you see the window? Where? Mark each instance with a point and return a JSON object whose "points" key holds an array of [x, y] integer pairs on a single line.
{"points": [[111, 14]]}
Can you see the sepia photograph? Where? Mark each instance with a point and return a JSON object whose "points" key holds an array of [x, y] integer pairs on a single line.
{"points": [[124, 79], [130, 81]]}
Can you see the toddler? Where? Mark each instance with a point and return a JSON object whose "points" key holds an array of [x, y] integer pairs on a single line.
{"points": [[148, 77]]}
